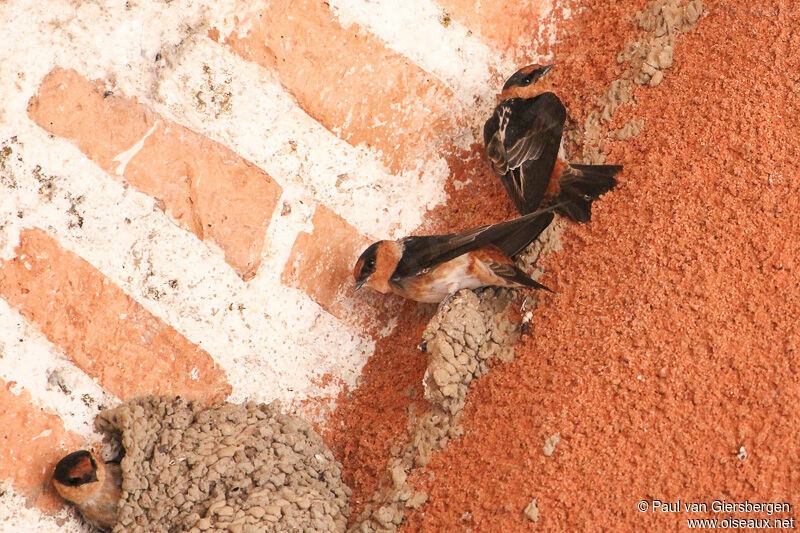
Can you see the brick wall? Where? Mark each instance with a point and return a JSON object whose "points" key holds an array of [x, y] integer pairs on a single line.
{"points": [[184, 189]]}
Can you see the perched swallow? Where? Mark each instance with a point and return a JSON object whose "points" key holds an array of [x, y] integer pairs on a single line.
{"points": [[93, 486], [429, 268], [522, 139]]}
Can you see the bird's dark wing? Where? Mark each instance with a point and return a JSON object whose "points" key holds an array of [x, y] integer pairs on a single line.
{"points": [[516, 241], [423, 252], [522, 138], [521, 129]]}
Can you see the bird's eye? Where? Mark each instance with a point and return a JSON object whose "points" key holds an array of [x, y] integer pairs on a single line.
{"points": [[370, 263], [527, 80]]}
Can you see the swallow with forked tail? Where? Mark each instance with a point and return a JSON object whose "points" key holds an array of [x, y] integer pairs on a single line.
{"points": [[92, 485], [429, 268], [522, 139]]}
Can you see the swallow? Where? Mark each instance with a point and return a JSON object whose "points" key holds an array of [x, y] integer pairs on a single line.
{"points": [[92, 485], [522, 139], [430, 268]]}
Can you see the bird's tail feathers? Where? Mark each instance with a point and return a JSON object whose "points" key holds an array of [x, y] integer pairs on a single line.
{"points": [[581, 185], [523, 279]]}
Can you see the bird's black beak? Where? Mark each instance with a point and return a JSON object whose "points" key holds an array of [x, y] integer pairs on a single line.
{"points": [[545, 70], [360, 283]]}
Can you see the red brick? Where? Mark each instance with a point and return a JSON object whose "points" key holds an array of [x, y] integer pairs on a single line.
{"points": [[346, 79], [511, 26], [32, 441], [107, 334], [207, 188], [321, 265]]}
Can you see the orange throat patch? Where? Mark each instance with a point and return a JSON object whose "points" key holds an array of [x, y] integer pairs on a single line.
{"points": [[389, 254], [82, 493], [530, 91]]}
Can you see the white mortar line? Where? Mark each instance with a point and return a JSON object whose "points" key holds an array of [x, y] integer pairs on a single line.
{"points": [[229, 16], [17, 516], [53, 381], [419, 30]]}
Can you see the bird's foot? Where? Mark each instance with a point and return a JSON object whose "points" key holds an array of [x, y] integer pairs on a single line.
{"points": [[446, 301]]}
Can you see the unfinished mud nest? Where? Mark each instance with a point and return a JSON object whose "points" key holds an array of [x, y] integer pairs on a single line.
{"points": [[460, 339], [240, 468]]}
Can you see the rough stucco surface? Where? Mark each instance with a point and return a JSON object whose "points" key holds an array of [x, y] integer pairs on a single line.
{"points": [[667, 359]]}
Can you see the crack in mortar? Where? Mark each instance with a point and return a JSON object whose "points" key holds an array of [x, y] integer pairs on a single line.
{"points": [[472, 328]]}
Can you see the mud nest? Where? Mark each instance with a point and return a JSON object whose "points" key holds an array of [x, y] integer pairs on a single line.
{"points": [[227, 467], [460, 339]]}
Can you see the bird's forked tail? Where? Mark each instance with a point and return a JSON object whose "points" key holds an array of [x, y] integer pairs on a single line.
{"points": [[580, 185]]}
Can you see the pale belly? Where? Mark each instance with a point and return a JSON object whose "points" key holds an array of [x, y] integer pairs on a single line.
{"points": [[445, 279]]}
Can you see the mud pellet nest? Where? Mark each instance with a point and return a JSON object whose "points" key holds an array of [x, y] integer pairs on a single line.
{"points": [[661, 20], [648, 59], [227, 467], [460, 338]]}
